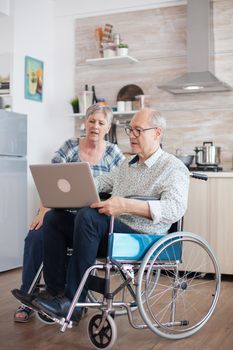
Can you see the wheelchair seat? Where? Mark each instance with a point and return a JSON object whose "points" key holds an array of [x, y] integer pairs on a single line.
{"points": [[133, 246]]}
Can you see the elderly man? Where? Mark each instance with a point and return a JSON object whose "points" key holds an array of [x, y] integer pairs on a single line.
{"points": [[151, 172]]}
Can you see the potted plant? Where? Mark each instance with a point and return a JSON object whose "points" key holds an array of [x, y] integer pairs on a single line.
{"points": [[122, 49], [75, 104], [7, 107]]}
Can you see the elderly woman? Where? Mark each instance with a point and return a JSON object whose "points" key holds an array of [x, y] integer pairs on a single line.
{"points": [[102, 156]]}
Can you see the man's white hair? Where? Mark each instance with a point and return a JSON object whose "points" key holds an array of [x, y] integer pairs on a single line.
{"points": [[156, 119]]}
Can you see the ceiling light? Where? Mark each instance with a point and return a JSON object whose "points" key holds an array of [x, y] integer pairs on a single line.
{"points": [[193, 87]]}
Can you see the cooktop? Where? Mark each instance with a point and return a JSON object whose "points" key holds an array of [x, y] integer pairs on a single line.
{"points": [[214, 168]]}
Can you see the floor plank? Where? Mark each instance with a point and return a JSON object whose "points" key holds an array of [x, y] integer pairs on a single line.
{"points": [[217, 334]]}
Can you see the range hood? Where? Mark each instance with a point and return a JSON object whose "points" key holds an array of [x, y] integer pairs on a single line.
{"points": [[200, 53]]}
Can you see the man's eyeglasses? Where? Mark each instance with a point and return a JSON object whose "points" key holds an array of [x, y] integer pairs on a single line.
{"points": [[136, 131]]}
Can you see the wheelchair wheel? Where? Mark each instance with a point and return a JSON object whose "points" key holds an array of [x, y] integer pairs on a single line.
{"points": [[106, 335], [44, 318], [187, 289]]}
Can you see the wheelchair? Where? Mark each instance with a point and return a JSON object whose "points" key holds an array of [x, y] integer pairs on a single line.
{"points": [[172, 280]]}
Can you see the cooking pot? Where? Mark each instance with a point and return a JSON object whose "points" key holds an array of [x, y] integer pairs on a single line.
{"points": [[207, 154]]}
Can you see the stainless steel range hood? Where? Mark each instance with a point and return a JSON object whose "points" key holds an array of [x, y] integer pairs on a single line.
{"points": [[200, 53]]}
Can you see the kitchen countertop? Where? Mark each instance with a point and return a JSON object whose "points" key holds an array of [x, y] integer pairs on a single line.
{"points": [[216, 174]]}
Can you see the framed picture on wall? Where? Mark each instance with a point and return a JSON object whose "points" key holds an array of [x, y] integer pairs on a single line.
{"points": [[34, 76]]}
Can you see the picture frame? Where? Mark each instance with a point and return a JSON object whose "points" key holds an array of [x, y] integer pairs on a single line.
{"points": [[34, 77]]}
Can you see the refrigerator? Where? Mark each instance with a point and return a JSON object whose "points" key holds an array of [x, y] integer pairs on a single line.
{"points": [[13, 188]]}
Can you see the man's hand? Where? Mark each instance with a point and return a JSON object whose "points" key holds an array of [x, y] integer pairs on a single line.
{"points": [[112, 206], [38, 220], [118, 205]]}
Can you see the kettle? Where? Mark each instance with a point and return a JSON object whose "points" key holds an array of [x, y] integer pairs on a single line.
{"points": [[208, 154]]}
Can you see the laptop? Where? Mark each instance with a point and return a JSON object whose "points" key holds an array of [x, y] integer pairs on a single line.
{"points": [[65, 185]]}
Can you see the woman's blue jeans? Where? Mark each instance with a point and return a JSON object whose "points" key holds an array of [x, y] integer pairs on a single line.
{"points": [[32, 258]]}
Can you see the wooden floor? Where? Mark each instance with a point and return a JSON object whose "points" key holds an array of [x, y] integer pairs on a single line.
{"points": [[217, 334]]}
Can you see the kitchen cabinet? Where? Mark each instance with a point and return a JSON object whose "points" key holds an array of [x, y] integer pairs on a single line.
{"points": [[210, 215]]}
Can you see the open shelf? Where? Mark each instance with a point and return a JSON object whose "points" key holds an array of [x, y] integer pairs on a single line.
{"points": [[111, 60], [125, 113], [81, 115]]}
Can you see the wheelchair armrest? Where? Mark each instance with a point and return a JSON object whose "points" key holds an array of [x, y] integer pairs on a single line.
{"points": [[199, 176], [144, 198], [176, 226]]}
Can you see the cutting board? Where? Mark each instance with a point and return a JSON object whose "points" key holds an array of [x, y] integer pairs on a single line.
{"points": [[128, 92]]}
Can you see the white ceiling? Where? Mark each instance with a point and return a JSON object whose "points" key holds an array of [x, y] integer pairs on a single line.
{"points": [[80, 8], [5, 4]]}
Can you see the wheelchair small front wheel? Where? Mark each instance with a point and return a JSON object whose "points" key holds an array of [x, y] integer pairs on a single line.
{"points": [[102, 336], [44, 318]]}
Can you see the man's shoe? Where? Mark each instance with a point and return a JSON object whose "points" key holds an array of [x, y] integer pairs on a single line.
{"points": [[27, 299], [24, 298], [57, 306]]}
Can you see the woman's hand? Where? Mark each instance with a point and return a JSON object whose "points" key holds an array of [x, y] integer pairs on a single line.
{"points": [[112, 206], [38, 220]]}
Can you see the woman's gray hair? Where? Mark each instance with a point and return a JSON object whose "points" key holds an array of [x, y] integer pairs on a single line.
{"points": [[98, 108]]}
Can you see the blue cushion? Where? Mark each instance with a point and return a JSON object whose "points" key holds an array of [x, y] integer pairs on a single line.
{"points": [[133, 246]]}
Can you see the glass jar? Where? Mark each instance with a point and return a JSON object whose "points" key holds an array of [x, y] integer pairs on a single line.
{"points": [[85, 100], [116, 39], [109, 49], [143, 101]]}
